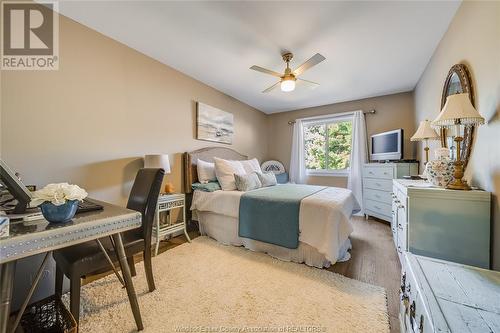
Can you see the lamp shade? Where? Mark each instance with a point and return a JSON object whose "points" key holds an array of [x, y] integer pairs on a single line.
{"points": [[458, 110], [157, 161], [425, 132]]}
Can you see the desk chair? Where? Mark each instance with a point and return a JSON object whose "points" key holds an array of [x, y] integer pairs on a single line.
{"points": [[86, 259]]}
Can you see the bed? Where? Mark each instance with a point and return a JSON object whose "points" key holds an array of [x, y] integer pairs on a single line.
{"points": [[323, 218]]}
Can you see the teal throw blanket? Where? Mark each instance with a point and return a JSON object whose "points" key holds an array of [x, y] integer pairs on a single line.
{"points": [[271, 214]]}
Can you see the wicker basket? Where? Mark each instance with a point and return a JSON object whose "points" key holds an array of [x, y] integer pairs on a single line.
{"points": [[47, 315]]}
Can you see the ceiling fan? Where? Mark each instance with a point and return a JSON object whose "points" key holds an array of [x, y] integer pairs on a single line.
{"points": [[288, 79]]}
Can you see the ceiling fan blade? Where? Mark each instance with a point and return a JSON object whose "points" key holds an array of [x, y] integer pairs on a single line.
{"points": [[266, 71], [308, 83], [271, 87], [313, 61]]}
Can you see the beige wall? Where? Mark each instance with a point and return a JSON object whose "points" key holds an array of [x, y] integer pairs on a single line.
{"points": [[473, 38], [393, 111], [91, 121]]}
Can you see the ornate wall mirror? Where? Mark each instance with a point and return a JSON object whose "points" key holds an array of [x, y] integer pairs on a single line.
{"points": [[458, 82]]}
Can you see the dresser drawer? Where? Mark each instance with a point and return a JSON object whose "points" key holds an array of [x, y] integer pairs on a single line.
{"points": [[378, 184], [378, 207], [378, 195], [384, 172]]}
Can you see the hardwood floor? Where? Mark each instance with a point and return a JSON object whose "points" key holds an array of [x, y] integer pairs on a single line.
{"points": [[373, 260]]}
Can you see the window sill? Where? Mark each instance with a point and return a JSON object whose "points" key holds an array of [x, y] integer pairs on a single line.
{"points": [[328, 173]]}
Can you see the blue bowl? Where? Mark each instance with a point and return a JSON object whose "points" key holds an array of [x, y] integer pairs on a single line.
{"points": [[59, 214]]}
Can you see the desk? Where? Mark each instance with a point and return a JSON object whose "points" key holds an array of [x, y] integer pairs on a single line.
{"points": [[29, 238]]}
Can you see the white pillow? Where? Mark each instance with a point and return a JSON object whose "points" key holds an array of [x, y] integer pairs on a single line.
{"points": [[206, 171], [247, 182], [267, 179], [225, 170], [250, 166]]}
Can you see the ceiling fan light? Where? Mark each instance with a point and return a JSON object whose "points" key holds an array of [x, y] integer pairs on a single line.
{"points": [[287, 85]]}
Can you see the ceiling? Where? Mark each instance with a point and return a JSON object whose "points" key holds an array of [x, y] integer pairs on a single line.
{"points": [[372, 48]]}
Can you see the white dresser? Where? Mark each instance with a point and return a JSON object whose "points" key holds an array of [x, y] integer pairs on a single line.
{"points": [[440, 296], [377, 186], [446, 224]]}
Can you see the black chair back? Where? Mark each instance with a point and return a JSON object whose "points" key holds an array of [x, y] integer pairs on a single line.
{"points": [[144, 197]]}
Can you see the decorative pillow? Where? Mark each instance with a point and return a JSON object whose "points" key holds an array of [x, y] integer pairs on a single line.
{"points": [[206, 172], [251, 165], [225, 171], [247, 182], [282, 178], [267, 179], [207, 187]]}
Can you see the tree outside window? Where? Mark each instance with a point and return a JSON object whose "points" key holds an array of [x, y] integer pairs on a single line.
{"points": [[328, 146]]}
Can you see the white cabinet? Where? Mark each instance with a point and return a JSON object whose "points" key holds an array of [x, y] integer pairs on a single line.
{"points": [[440, 296], [440, 223], [377, 186]]}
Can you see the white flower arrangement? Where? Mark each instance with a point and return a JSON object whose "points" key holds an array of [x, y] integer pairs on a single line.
{"points": [[58, 194]]}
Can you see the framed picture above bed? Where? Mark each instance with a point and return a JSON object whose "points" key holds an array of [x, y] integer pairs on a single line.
{"points": [[213, 124]]}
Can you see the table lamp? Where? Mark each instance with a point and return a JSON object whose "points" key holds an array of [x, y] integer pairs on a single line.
{"points": [[159, 161], [425, 133], [458, 111]]}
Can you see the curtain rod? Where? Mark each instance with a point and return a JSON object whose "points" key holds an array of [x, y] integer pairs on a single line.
{"points": [[291, 122]]}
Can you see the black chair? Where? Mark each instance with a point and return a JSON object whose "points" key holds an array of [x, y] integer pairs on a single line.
{"points": [[88, 258]]}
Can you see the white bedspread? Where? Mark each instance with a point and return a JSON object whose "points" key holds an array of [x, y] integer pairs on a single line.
{"points": [[323, 221], [225, 203]]}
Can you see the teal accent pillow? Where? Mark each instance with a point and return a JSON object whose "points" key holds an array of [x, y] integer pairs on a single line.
{"points": [[247, 182], [282, 178], [208, 187], [267, 179]]}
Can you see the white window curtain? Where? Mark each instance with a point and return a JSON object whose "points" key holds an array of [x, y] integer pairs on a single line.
{"points": [[358, 157], [297, 159]]}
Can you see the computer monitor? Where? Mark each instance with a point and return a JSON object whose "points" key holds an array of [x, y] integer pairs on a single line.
{"points": [[16, 188]]}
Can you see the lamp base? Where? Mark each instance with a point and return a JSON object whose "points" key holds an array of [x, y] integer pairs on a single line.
{"points": [[426, 148], [169, 188], [458, 184]]}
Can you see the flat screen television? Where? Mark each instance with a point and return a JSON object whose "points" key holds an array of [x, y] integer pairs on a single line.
{"points": [[387, 146]]}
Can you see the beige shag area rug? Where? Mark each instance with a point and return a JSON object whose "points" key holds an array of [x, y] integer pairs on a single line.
{"points": [[208, 287]]}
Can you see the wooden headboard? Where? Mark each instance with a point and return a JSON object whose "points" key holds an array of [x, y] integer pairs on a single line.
{"points": [[190, 159]]}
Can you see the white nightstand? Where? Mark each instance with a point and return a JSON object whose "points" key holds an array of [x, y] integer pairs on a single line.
{"points": [[167, 202]]}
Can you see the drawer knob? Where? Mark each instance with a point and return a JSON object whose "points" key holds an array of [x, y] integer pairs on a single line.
{"points": [[421, 325], [403, 282], [406, 302], [412, 313]]}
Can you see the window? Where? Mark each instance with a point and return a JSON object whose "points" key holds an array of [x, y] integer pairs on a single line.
{"points": [[328, 146]]}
